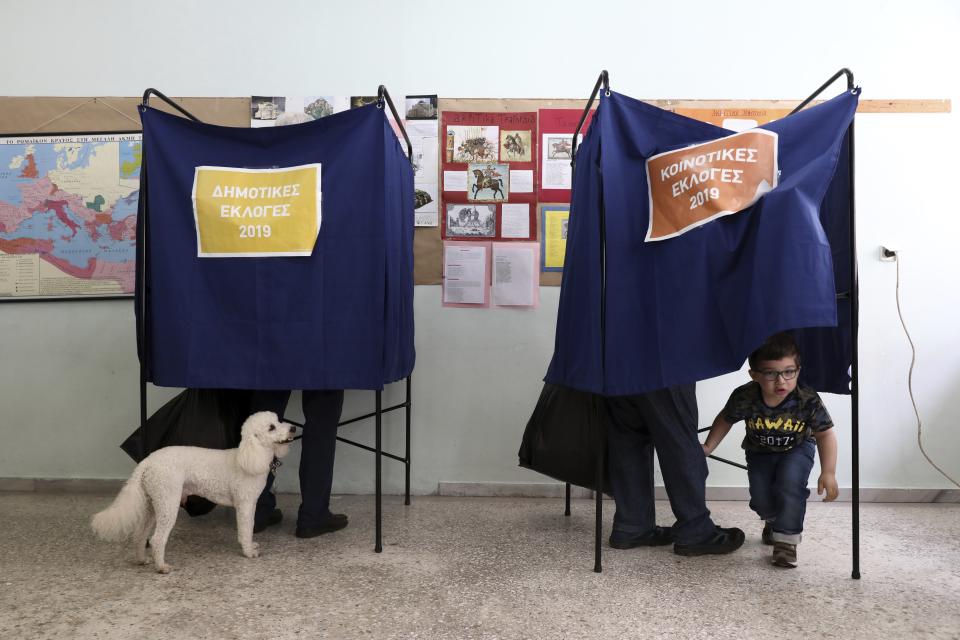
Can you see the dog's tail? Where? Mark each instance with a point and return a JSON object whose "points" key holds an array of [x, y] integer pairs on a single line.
{"points": [[127, 512]]}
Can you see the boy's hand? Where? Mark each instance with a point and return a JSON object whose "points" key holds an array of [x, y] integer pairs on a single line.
{"points": [[706, 451], [828, 483]]}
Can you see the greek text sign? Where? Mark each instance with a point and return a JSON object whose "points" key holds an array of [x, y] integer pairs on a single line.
{"points": [[694, 185], [248, 213]]}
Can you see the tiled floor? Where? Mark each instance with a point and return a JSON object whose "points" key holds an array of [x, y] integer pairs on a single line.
{"points": [[475, 568]]}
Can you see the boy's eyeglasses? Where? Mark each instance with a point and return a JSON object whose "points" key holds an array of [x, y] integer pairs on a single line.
{"points": [[786, 374]]}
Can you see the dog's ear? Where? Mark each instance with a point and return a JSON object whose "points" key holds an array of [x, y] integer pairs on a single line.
{"points": [[252, 456]]}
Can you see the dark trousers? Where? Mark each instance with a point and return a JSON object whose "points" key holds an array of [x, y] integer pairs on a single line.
{"points": [[666, 420], [778, 488], [321, 412]]}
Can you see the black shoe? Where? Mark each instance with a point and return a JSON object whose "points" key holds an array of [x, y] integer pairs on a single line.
{"points": [[272, 518], [657, 538], [767, 535], [334, 522], [720, 541]]}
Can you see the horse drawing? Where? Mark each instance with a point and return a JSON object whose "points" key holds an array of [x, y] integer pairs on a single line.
{"points": [[514, 146], [560, 148], [474, 150], [482, 181]]}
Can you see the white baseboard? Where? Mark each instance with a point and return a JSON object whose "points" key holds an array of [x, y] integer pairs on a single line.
{"points": [[510, 490], [556, 490], [61, 485], [505, 490]]}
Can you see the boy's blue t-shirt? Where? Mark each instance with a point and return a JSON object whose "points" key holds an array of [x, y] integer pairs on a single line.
{"points": [[780, 428]]}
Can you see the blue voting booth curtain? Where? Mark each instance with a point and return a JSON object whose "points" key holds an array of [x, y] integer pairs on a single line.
{"points": [[694, 306], [341, 318]]}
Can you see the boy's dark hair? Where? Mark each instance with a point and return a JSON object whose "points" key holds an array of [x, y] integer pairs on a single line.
{"points": [[779, 345]]}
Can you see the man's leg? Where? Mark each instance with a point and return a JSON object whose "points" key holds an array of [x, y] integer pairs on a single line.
{"points": [[321, 410], [276, 401], [671, 415], [630, 469]]}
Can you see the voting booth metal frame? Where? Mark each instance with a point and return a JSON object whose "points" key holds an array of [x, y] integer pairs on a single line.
{"points": [[383, 99], [853, 295]]}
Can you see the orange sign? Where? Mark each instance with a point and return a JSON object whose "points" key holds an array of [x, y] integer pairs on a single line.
{"points": [[694, 185]]}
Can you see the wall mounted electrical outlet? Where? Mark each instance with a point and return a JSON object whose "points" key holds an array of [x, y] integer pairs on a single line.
{"points": [[887, 254]]}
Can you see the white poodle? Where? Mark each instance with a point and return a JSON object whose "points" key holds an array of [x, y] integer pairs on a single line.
{"points": [[150, 499]]}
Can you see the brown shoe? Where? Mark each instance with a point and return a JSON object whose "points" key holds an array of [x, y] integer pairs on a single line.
{"points": [[785, 555]]}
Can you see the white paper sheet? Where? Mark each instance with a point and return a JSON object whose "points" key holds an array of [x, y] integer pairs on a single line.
{"points": [[454, 180], [423, 137], [422, 128], [515, 221], [464, 278], [429, 214], [521, 181], [555, 170], [513, 275]]}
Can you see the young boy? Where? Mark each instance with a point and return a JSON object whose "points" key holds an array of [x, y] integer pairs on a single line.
{"points": [[784, 423]]}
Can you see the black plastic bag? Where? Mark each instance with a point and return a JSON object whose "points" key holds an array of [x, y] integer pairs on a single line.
{"points": [[196, 418], [208, 418], [564, 439]]}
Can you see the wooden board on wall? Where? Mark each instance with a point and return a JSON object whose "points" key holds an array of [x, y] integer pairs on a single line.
{"points": [[95, 114], [865, 106]]}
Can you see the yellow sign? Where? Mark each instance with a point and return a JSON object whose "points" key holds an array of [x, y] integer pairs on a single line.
{"points": [[255, 213], [696, 184], [554, 236]]}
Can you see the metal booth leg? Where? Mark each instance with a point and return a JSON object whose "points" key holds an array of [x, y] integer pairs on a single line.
{"points": [[855, 362], [604, 81], [566, 511], [406, 499], [597, 563], [598, 481], [854, 295], [378, 546]]}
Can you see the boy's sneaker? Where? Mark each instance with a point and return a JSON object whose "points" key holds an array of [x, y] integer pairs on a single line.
{"points": [[720, 541], [658, 537], [767, 535], [785, 555]]}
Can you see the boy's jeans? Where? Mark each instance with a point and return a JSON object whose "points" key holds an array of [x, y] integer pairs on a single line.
{"points": [[666, 420], [778, 489]]}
